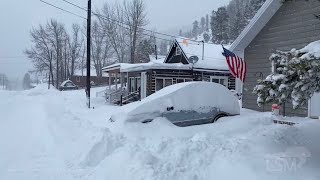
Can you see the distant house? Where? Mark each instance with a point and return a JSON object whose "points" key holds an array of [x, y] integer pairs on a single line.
{"points": [[278, 25], [80, 78], [186, 61]]}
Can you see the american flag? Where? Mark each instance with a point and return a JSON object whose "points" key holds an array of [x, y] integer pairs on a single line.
{"points": [[237, 65]]}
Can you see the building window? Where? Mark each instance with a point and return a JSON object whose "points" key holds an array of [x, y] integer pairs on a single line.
{"points": [[78, 79], [163, 82], [138, 80], [178, 51], [132, 84], [220, 80], [182, 80], [159, 84]]}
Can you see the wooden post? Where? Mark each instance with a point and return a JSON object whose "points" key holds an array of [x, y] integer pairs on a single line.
{"points": [[109, 80], [128, 88], [116, 81], [121, 80]]}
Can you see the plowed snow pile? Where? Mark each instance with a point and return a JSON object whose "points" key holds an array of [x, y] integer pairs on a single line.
{"points": [[47, 134]]}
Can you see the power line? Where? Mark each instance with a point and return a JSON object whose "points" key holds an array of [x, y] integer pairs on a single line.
{"points": [[63, 9], [121, 24], [96, 14]]}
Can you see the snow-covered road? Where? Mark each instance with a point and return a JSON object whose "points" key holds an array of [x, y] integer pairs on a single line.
{"points": [[47, 134]]}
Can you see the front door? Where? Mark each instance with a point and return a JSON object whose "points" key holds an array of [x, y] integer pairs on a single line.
{"points": [[315, 106]]}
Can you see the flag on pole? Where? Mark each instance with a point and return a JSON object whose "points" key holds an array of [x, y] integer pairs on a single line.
{"points": [[237, 65], [185, 42]]}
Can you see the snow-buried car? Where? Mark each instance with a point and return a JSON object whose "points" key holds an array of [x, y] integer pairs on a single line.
{"points": [[183, 104]]}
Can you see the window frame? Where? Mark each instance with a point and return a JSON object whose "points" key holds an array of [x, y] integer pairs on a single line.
{"points": [[163, 82], [78, 79], [184, 80], [178, 51], [219, 78]]}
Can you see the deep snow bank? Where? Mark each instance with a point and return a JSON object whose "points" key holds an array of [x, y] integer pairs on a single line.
{"points": [[52, 135]]}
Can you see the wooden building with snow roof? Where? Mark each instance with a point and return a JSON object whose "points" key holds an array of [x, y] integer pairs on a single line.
{"points": [[186, 61]]}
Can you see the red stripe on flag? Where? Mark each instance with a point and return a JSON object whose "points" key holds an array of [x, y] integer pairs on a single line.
{"points": [[231, 67]]}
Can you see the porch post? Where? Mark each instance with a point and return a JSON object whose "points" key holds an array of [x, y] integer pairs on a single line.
{"points": [[128, 88], [116, 81], [121, 80], [109, 80]]}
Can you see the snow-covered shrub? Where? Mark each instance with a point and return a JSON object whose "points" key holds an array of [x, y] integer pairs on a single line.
{"points": [[296, 77]]}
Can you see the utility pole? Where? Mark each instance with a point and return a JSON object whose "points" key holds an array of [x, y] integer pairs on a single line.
{"points": [[88, 52]]}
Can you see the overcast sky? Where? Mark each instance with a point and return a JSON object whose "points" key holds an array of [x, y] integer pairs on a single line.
{"points": [[19, 16]]}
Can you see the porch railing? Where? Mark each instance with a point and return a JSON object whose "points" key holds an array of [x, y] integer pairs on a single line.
{"points": [[133, 96], [114, 97]]}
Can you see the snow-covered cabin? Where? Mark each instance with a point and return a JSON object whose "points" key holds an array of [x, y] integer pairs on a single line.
{"points": [[80, 78], [278, 25], [186, 61]]}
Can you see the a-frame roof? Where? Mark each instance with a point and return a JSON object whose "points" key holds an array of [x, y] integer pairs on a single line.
{"points": [[212, 54], [262, 17]]}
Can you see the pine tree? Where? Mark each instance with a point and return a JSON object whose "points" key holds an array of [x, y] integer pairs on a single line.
{"points": [[145, 48], [237, 25], [206, 37], [180, 32], [202, 24], [252, 8], [207, 23], [219, 26], [195, 29]]}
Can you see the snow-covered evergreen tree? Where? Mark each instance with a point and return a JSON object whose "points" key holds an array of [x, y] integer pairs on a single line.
{"points": [[296, 77], [206, 37], [219, 26], [237, 24], [202, 24], [207, 23], [195, 29]]}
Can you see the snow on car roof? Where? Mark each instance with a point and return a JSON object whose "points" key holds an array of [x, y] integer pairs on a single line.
{"points": [[213, 58]]}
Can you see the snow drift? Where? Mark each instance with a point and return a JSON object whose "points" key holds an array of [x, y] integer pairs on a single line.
{"points": [[47, 134]]}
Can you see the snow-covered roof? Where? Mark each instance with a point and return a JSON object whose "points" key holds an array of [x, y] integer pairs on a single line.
{"points": [[212, 59], [126, 67], [262, 17]]}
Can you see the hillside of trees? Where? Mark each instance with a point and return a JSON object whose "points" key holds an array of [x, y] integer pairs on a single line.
{"points": [[225, 24]]}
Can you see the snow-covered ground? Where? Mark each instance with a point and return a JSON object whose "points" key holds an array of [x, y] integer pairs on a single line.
{"points": [[47, 134]]}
